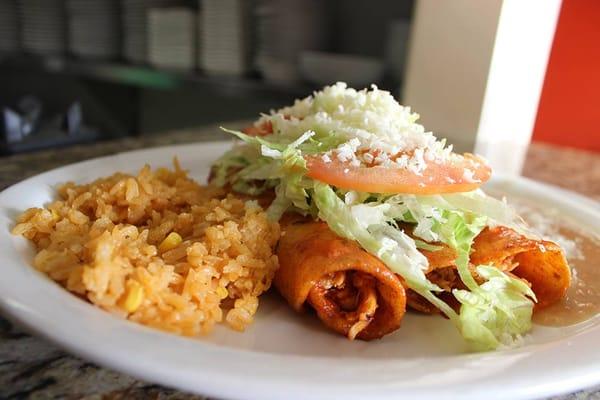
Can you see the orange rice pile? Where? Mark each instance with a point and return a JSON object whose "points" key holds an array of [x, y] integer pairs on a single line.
{"points": [[157, 248]]}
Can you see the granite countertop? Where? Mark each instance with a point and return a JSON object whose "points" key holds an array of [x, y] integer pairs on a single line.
{"points": [[33, 368]]}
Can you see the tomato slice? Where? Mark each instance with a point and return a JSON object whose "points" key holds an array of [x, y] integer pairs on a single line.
{"points": [[437, 178], [266, 128]]}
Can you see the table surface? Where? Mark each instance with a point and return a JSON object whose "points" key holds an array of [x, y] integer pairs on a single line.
{"points": [[34, 368]]}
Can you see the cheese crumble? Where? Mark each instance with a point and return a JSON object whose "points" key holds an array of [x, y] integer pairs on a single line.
{"points": [[373, 127]]}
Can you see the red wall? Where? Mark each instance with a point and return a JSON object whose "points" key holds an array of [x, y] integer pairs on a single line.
{"points": [[569, 110]]}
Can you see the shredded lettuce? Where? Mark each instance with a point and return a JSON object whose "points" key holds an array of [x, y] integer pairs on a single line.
{"points": [[499, 310], [292, 190], [493, 313], [427, 246], [279, 163], [497, 313], [257, 140], [235, 159], [478, 203], [397, 250], [458, 231], [318, 141]]}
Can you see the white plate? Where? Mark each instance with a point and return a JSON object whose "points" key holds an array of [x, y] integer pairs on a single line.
{"points": [[284, 354]]}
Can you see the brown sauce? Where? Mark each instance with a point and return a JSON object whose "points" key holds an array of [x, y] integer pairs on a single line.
{"points": [[582, 301]]}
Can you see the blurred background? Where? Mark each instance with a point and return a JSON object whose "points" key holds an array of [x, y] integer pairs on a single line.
{"points": [[98, 69], [75, 71]]}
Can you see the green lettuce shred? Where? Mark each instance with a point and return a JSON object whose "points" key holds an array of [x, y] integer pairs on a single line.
{"points": [[497, 313]]}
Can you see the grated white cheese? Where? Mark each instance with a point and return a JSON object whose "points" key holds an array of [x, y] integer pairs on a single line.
{"points": [[347, 151], [417, 163], [469, 175], [378, 130]]}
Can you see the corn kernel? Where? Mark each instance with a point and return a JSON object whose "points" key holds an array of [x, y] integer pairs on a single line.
{"points": [[134, 298], [172, 240], [222, 292], [55, 215]]}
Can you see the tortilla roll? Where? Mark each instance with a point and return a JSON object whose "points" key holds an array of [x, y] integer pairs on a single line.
{"points": [[352, 292], [541, 263]]}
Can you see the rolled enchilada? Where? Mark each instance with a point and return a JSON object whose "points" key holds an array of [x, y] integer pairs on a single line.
{"points": [[539, 262], [356, 295], [351, 291]]}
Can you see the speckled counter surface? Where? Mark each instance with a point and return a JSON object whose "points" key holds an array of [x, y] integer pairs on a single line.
{"points": [[33, 368]]}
